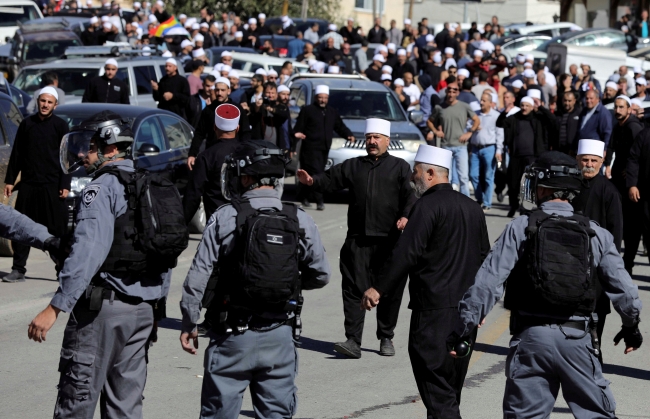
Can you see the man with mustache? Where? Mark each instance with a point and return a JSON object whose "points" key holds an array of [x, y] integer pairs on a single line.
{"points": [[380, 200], [600, 201]]}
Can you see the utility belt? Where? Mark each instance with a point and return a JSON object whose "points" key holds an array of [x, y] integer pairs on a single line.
{"points": [[93, 299]]}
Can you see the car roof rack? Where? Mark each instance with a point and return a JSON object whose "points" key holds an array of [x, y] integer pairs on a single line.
{"points": [[44, 27], [117, 50], [306, 75]]}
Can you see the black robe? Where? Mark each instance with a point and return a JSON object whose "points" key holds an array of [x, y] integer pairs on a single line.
{"points": [[178, 86], [204, 130]]}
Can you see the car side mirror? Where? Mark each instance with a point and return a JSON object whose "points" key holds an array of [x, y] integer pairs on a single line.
{"points": [[148, 150], [294, 111], [416, 116]]}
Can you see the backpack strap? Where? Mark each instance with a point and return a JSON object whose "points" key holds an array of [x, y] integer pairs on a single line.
{"points": [[244, 210], [290, 209], [535, 217]]}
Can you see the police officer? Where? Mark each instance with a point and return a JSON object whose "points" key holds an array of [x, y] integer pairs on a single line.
{"points": [[107, 88], [252, 341], [19, 228], [441, 249], [105, 341], [381, 198], [551, 346]]}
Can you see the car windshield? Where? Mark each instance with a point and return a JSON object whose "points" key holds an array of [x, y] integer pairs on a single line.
{"points": [[72, 81], [48, 50], [366, 104], [9, 15], [78, 116], [555, 40]]}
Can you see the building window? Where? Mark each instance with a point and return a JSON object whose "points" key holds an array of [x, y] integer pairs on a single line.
{"points": [[367, 5]]}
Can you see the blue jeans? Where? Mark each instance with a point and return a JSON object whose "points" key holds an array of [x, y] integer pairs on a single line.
{"points": [[460, 168], [482, 162]]}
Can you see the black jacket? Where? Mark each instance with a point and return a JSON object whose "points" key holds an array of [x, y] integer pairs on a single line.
{"points": [[35, 154], [350, 36], [90, 38], [102, 90], [400, 69], [260, 120], [373, 74], [179, 87], [204, 130], [620, 144], [572, 129], [380, 192], [543, 126], [318, 125], [441, 249], [638, 165], [377, 36], [326, 55], [205, 179]]}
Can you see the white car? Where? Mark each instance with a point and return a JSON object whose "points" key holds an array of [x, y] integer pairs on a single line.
{"points": [[251, 62], [551, 29], [14, 11]]}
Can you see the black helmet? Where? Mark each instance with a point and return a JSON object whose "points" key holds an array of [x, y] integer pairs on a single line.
{"points": [[553, 170], [104, 128], [261, 159]]}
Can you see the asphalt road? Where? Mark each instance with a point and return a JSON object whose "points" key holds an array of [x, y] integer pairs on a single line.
{"points": [[329, 386]]}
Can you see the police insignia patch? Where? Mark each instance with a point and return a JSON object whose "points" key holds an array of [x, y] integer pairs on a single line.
{"points": [[90, 193]]}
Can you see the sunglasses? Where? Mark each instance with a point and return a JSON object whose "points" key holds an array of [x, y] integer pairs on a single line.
{"points": [[452, 90]]}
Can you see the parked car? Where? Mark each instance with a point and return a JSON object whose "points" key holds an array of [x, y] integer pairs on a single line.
{"points": [[275, 23], [356, 100], [38, 43], [520, 44], [252, 62], [162, 141], [13, 11], [214, 53], [10, 119], [77, 24], [20, 97], [595, 37], [74, 74], [550, 29]]}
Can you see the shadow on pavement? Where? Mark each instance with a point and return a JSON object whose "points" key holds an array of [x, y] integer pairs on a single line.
{"points": [[626, 372], [644, 288], [491, 349], [561, 410], [168, 323]]}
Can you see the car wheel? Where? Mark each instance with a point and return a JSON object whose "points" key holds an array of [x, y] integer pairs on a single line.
{"points": [[197, 225], [5, 245]]}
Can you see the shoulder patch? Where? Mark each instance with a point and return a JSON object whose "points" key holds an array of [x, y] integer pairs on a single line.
{"points": [[89, 194]]}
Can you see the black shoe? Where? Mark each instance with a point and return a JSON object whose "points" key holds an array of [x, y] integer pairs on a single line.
{"points": [[500, 197], [349, 348], [512, 212], [305, 204], [484, 208], [320, 207], [386, 347], [14, 276]]}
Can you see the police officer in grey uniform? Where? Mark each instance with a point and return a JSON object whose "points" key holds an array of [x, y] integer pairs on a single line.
{"points": [[248, 346], [551, 344], [20, 228], [111, 311]]}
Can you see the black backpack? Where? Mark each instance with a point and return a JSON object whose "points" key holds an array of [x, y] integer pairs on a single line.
{"points": [[265, 258], [560, 259], [160, 228]]}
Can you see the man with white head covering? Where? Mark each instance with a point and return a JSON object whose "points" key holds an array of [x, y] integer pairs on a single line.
{"points": [[349, 33], [43, 184], [374, 71], [51, 79], [92, 35], [380, 200], [158, 9], [441, 249], [641, 90], [239, 36], [107, 88], [402, 65], [334, 35], [315, 126], [173, 91], [185, 56]]}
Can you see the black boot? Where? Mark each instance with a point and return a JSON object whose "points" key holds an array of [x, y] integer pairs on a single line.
{"points": [[349, 348], [386, 347]]}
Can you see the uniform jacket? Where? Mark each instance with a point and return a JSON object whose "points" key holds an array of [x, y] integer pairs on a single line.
{"points": [[218, 241], [102, 90], [318, 125], [179, 87], [20, 228]]}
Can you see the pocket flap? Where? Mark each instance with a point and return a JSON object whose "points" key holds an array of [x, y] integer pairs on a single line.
{"points": [[83, 358]]}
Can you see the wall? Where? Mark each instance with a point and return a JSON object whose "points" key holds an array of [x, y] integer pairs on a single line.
{"points": [[393, 9]]}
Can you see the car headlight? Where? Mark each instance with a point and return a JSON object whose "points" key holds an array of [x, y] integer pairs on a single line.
{"points": [[78, 184], [338, 143], [411, 145]]}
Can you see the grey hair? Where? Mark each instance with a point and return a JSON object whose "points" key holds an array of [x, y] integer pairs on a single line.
{"points": [[439, 170]]}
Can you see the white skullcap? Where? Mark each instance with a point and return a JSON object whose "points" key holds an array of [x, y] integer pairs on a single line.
{"points": [[204, 25], [379, 57], [311, 62], [282, 88], [195, 26], [611, 85], [530, 57], [153, 19], [333, 69], [234, 74], [160, 3], [398, 82], [387, 69], [181, 16], [642, 81], [223, 80], [475, 106], [386, 76], [107, 4], [226, 54], [186, 43], [528, 100], [487, 46], [199, 38], [637, 70], [534, 93], [463, 72], [94, 20], [428, 38], [239, 34], [449, 50], [436, 156], [529, 74], [391, 46], [437, 58], [350, 19], [517, 84], [111, 61], [49, 90], [252, 21], [107, 25], [638, 102], [625, 98], [322, 89], [146, 51], [284, 18], [319, 67], [377, 126], [407, 21], [218, 67], [528, 65], [167, 54], [226, 68], [401, 52], [272, 72], [521, 58], [171, 61], [331, 27], [478, 53], [381, 48], [591, 147], [106, 18], [199, 52], [261, 16], [261, 72], [226, 117]]}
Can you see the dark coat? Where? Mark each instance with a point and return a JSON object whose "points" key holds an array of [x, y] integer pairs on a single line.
{"points": [[638, 164], [377, 36], [319, 125], [179, 87], [572, 129], [543, 125], [204, 130], [621, 142], [102, 90], [260, 120]]}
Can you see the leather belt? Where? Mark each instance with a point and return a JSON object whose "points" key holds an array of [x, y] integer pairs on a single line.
{"points": [[481, 147]]}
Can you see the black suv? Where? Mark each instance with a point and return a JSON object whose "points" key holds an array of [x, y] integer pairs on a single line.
{"points": [[38, 43]]}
